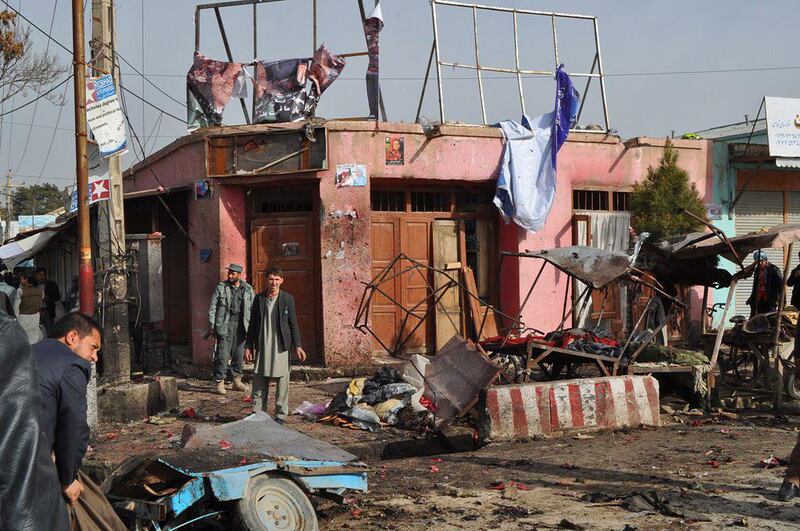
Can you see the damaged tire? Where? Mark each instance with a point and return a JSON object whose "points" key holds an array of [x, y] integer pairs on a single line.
{"points": [[273, 503], [792, 385]]}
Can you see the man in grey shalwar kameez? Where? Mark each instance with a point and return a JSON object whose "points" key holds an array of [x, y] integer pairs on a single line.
{"points": [[272, 333]]}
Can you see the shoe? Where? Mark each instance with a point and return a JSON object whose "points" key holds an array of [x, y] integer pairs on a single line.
{"points": [[220, 388], [788, 491], [238, 385]]}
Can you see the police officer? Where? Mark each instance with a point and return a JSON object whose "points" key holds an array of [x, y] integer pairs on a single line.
{"points": [[228, 320]]}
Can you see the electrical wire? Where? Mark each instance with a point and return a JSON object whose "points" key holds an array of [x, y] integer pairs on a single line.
{"points": [[29, 21], [156, 107], [52, 139], [36, 106], [40, 96], [159, 89]]}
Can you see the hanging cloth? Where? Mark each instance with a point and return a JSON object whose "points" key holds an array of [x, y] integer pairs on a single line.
{"points": [[372, 29], [283, 91], [209, 86]]}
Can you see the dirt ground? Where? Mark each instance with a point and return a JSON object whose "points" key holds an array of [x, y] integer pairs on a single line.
{"points": [[706, 468]]}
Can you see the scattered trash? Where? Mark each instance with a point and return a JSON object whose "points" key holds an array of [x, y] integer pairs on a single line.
{"points": [[356, 512], [568, 466], [566, 524], [434, 468], [599, 497], [436, 459], [248, 399], [110, 436], [773, 462], [309, 410], [739, 522], [189, 413], [713, 463], [653, 502], [160, 421], [582, 436], [224, 445]]}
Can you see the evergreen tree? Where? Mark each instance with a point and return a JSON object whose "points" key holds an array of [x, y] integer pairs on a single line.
{"points": [[37, 199], [656, 202]]}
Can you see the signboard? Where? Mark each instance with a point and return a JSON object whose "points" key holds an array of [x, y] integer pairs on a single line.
{"points": [[99, 180], [783, 126], [351, 175], [714, 212], [105, 116]]}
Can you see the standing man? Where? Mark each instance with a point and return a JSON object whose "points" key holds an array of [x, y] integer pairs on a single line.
{"points": [[228, 320], [28, 307], [63, 365], [273, 332], [52, 295], [767, 281]]}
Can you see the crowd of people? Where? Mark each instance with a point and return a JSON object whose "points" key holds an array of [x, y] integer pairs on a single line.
{"points": [[35, 301]]}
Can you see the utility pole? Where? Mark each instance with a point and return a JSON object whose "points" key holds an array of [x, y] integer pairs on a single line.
{"points": [[9, 206], [85, 270], [111, 220]]}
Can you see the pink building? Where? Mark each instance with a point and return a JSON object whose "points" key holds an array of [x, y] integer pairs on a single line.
{"points": [[330, 238]]}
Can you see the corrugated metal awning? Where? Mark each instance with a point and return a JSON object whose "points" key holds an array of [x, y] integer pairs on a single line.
{"points": [[21, 249]]}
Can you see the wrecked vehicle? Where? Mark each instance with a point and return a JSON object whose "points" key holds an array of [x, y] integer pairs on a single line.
{"points": [[254, 473]]}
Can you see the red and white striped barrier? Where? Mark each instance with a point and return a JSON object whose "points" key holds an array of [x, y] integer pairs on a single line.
{"points": [[524, 410]]}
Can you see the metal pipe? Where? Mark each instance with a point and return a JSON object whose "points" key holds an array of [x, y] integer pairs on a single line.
{"points": [[586, 90], [555, 39], [438, 62], [600, 71], [425, 83], [85, 269], [718, 341], [478, 62], [778, 388], [197, 29], [314, 26], [516, 59], [230, 56], [511, 10], [542, 73]]}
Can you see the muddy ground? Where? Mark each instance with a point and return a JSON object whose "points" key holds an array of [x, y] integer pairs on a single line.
{"points": [[699, 472]]}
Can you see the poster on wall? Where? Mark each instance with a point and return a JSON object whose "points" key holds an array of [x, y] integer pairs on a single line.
{"points": [[99, 180], [395, 151], [203, 189], [783, 126], [351, 175], [105, 117]]}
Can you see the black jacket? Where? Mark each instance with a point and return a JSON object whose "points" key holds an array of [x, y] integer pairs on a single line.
{"points": [[63, 377], [289, 331], [794, 282], [774, 280], [30, 494]]}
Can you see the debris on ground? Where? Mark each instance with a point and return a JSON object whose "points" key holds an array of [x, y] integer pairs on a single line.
{"points": [[653, 502], [772, 462]]}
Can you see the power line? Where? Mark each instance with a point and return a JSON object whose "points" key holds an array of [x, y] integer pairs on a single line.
{"points": [[129, 91], [36, 106], [37, 98], [29, 21], [182, 104], [52, 137]]}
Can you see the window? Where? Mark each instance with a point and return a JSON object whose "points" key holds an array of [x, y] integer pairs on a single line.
{"points": [[600, 200], [388, 201], [589, 200], [473, 201], [278, 202], [430, 202], [621, 201]]}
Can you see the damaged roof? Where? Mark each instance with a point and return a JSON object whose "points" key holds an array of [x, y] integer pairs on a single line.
{"points": [[779, 236]]}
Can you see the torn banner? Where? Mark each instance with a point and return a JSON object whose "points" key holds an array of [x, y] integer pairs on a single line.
{"points": [[283, 91], [209, 86], [105, 117], [373, 25], [526, 185]]}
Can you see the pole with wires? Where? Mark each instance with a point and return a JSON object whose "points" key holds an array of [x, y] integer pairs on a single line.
{"points": [[85, 270]]}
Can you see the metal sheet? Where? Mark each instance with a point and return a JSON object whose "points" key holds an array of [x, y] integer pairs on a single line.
{"points": [[592, 266], [455, 377], [257, 436], [778, 236]]}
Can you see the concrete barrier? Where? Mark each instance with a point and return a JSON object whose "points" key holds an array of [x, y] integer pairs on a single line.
{"points": [[523, 410]]}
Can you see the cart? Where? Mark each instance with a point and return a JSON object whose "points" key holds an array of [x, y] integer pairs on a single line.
{"points": [[254, 474]]}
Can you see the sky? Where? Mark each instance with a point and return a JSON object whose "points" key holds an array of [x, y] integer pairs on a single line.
{"points": [[662, 61]]}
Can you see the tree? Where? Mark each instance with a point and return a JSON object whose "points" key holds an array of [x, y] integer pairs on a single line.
{"points": [[37, 199], [22, 70], [657, 202]]}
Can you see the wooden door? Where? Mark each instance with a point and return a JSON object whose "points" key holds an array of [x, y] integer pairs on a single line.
{"points": [[175, 259], [446, 236], [415, 241], [385, 313], [288, 242]]}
